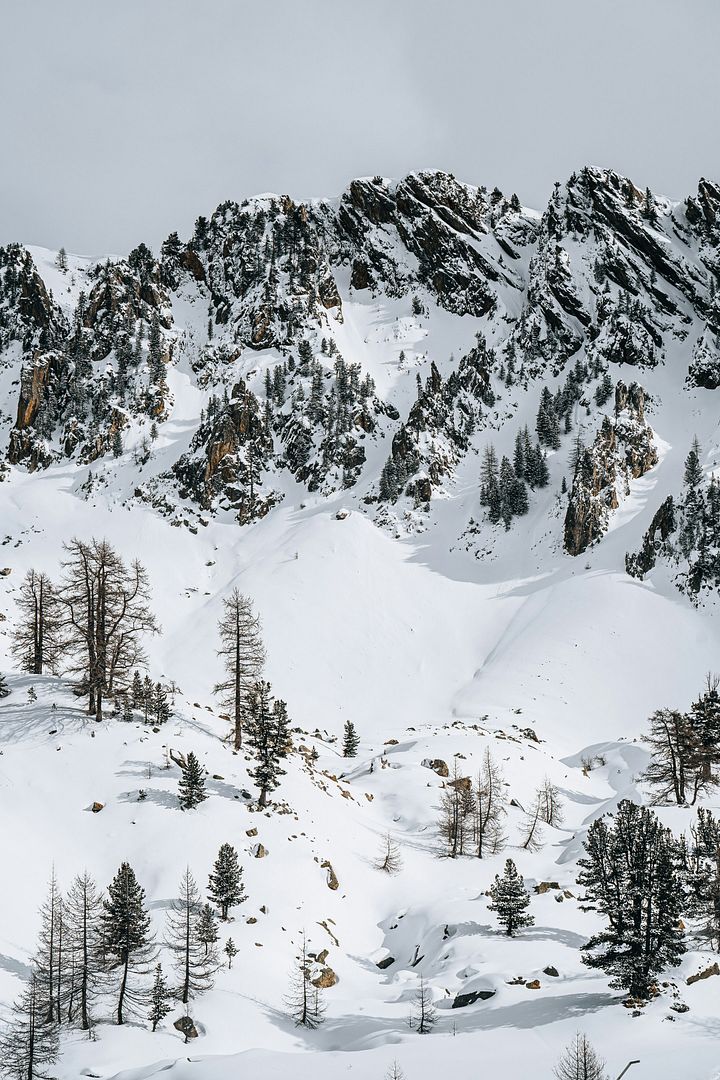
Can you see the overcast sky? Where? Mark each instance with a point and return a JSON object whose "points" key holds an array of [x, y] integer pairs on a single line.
{"points": [[125, 119]]}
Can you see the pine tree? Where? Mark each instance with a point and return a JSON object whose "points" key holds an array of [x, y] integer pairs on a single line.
{"points": [[351, 740], [161, 706], [159, 999], [83, 915], [489, 808], [191, 789], [394, 1072], [243, 655], [230, 951], [49, 955], [673, 768], [268, 736], [303, 1001], [37, 635], [61, 259], [225, 887], [693, 468], [4, 688], [137, 692], [207, 930], [510, 900], [702, 875], [389, 859], [424, 1015], [117, 443], [630, 872], [127, 939], [195, 960], [30, 1043], [580, 1062]]}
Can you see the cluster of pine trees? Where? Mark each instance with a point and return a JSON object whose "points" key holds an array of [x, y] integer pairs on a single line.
{"points": [[504, 487], [97, 952], [472, 814]]}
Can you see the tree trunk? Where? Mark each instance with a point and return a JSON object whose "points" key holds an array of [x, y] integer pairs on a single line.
{"points": [[123, 985]]}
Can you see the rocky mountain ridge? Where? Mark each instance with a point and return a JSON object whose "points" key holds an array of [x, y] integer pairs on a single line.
{"points": [[258, 310]]}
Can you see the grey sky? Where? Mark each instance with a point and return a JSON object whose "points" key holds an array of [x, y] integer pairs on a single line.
{"points": [[124, 119]]}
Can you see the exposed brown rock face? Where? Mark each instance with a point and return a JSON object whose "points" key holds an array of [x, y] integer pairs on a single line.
{"points": [[623, 450]]}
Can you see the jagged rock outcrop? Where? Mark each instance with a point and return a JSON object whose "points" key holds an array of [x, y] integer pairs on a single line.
{"points": [[623, 449]]}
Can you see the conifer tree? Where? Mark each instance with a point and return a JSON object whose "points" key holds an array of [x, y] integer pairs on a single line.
{"points": [[394, 1072], [37, 644], [580, 1062], [207, 930], [191, 789], [303, 1001], [83, 915], [161, 706], [389, 859], [230, 951], [225, 887], [702, 875], [243, 655], [137, 691], [49, 956], [268, 736], [351, 740], [424, 1015], [127, 940], [693, 468], [548, 797], [105, 611], [490, 807], [533, 818], [195, 960], [159, 999], [29, 1045], [510, 900], [4, 688], [630, 872]]}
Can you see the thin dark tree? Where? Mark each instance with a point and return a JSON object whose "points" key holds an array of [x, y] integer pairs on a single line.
{"points": [[424, 1015], [243, 655], [29, 1045], [191, 789], [230, 951], [303, 1001], [490, 808], [389, 858], [351, 740], [195, 961], [37, 644], [83, 915], [580, 1062]]}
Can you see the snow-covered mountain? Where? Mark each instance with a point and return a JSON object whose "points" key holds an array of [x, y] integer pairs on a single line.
{"points": [[440, 440]]}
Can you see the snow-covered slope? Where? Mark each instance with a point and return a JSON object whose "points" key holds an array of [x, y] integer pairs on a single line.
{"points": [[413, 615]]}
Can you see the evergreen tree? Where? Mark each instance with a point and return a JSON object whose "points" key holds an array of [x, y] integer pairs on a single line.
{"points": [[137, 691], [117, 443], [161, 706], [29, 1045], [225, 887], [424, 1015], [127, 940], [83, 915], [351, 740], [4, 688], [693, 468], [630, 872], [207, 930], [510, 900], [230, 951], [243, 656], [195, 960], [268, 736], [159, 999], [303, 1001], [61, 259], [580, 1062], [191, 789]]}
